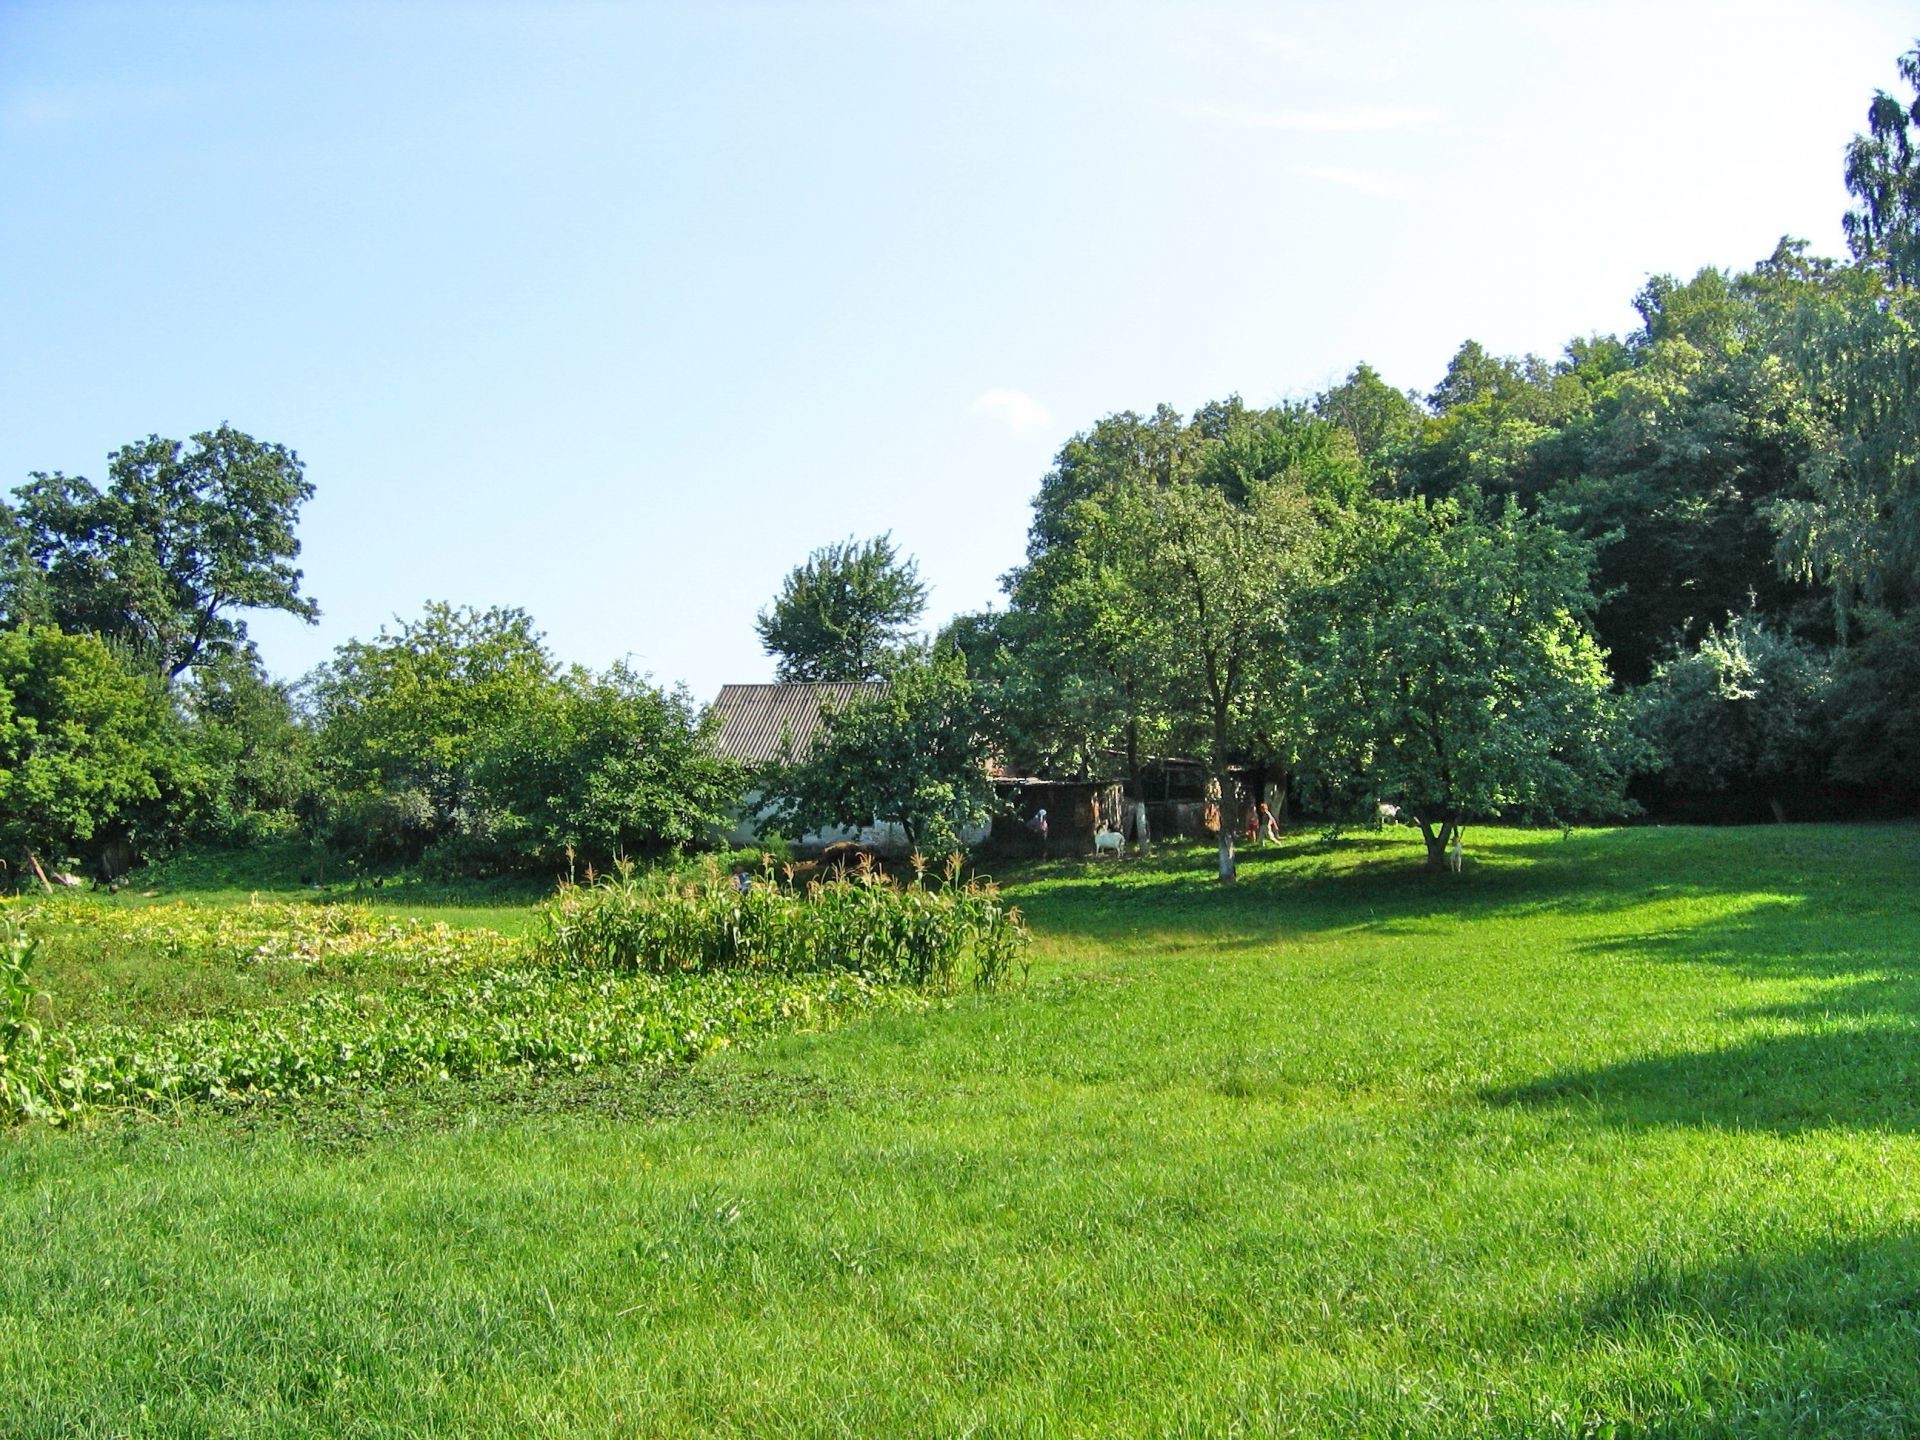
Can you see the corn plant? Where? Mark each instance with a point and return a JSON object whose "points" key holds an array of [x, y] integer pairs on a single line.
{"points": [[917, 934], [23, 1044]]}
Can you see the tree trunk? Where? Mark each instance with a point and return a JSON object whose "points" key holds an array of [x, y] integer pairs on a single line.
{"points": [[1229, 824], [1140, 835], [1438, 840], [1229, 801]]}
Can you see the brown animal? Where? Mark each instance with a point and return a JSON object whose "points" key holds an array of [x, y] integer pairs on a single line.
{"points": [[847, 858]]}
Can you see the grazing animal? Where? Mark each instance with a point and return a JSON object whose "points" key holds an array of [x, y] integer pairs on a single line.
{"points": [[1389, 814], [847, 858], [1110, 840]]}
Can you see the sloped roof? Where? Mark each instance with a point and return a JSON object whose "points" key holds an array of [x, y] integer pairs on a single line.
{"points": [[757, 720]]}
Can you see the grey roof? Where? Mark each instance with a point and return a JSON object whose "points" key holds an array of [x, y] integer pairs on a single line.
{"points": [[757, 720]]}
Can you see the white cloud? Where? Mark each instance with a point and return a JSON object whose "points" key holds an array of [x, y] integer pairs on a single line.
{"points": [[1016, 409], [1344, 120], [1365, 181]]}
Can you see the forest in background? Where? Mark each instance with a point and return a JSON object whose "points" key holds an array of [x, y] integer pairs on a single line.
{"points": [[1675, 569]]}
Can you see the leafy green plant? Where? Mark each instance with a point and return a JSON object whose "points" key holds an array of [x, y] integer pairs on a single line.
{"points": [[21, 1039]]}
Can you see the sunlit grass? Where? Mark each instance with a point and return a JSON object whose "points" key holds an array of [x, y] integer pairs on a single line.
{"points": [[1616, 1133]]}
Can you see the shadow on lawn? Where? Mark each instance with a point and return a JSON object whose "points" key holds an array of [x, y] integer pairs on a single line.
{"points": [[1846, 1054], [1827, 1335], [1379, 882]]}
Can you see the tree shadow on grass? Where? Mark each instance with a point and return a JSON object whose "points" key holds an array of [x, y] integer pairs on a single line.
{"points": [[1378, 882], [1844, 1051], [1827, 1335], [1863, 1073]]}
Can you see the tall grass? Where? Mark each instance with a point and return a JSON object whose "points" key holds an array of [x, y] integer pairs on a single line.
{"points": [[934, 935]]}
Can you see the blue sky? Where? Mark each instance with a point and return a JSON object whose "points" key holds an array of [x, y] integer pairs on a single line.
{"points": [[613, 312]]}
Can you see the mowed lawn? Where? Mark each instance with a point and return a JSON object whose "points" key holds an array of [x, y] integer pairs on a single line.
{"points": [[1614, 1134]]}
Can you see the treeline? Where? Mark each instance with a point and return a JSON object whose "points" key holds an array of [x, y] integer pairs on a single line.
{"points": [[1686, 558]]}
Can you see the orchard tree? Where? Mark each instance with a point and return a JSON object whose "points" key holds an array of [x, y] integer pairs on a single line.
{"points": [[1204, 590], [1452, 672], [915, 754], [165, 560], [845, 613]]}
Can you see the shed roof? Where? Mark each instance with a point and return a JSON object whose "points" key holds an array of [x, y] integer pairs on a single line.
{"points": [[756, 721]]}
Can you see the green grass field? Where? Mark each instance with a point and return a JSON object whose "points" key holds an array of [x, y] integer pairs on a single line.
{"points": [[1614, 1134]]}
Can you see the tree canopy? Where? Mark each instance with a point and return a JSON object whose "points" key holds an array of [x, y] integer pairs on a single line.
{"points": [[1452, 674], [845, 613], [167, 558]]}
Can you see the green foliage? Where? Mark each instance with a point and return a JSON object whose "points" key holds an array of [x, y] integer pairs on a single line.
{"points": [[1876, 712], [1383, 422], [1883, 175], [1745, 704], [609, 766], [82, 742], [916, 934], [22, 1040], [916, 754], [161, 561], [1453, 674], [244, 731], [1676, 471], [404, 716], [845, 613], [527, 1019], [1078, 607], [1855, 524], [466, 1002]]}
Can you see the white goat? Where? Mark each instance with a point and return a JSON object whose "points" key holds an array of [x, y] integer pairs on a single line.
{"points": [[1107, 840]]}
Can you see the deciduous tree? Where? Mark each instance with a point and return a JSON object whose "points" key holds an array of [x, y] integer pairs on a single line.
{"points": [[164, 561], [845, 614], [1451, 671]]}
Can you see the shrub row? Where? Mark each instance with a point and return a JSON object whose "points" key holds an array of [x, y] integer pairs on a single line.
{"points": [[933, 935]]}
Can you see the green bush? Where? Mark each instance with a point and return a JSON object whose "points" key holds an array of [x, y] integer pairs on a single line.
{"points": [[917, 934]]}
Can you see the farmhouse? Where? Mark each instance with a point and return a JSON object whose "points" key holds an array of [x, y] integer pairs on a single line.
{"points": [[763, 725]]}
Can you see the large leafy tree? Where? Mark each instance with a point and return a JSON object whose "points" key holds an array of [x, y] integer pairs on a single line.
{"points": [[845, 613], [1382, 421], [166, 560], [246, 732], [1855, 523], [1089, 680], [83, 743], [1676, 472], [609, 766], [917, 754], [403, 716], [1203, 587], [1452, 671]]}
